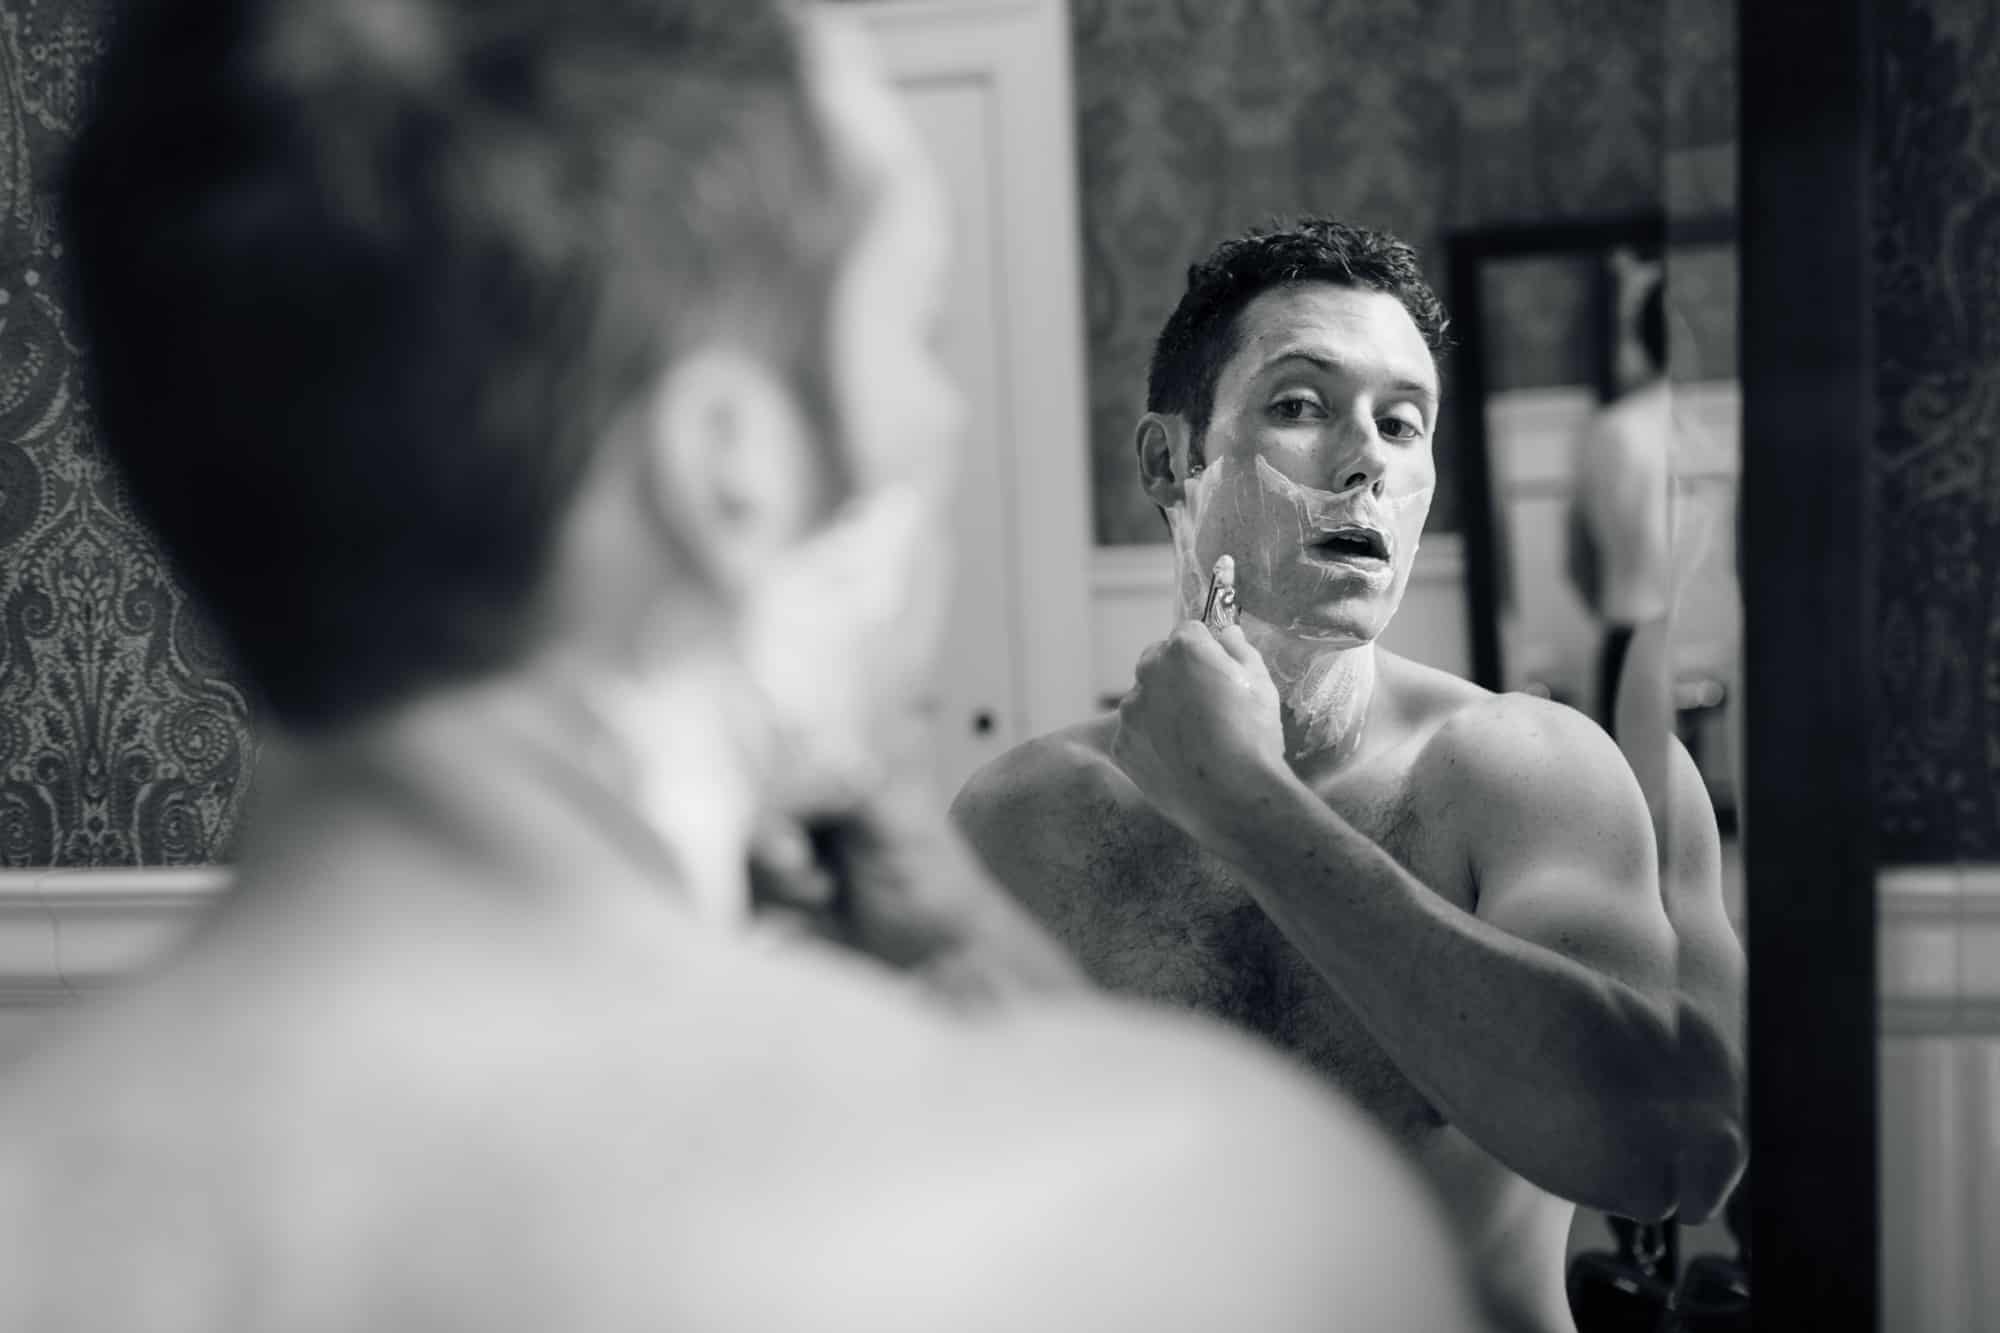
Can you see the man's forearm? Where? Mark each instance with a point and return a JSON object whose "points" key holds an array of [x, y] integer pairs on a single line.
{"points": [[1564, 1074]]}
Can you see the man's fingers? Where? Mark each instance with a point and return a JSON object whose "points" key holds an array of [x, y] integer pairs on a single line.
{"points": [[1237, 645], [1203, 640]]}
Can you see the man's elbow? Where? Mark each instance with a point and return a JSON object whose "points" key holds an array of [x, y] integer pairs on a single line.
{"points": [[1713, 1145], [1707, 1165], [1687, 1150], [1678, 1171]]}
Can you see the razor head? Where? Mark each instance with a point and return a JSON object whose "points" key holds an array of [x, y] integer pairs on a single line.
{"points": [[1220, 610]]}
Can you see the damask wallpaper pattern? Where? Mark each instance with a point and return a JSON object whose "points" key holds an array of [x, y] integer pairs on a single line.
{"points": [[1199, 118], [1934, 476], [123, 740]]}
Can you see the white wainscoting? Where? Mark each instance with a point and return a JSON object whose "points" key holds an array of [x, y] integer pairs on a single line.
{"points": [[65, 933], [1940, 1098]]}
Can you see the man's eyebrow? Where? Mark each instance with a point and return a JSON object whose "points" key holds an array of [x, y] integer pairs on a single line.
{"points": [[1335, 366]]}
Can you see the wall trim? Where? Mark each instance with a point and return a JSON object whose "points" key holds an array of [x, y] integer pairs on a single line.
{"points": [[1938, 943], [66, 932]]}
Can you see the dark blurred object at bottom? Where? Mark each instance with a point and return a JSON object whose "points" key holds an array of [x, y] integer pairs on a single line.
{"points": [[1626, 1292], [1633, 1291], [1714, 1295]]}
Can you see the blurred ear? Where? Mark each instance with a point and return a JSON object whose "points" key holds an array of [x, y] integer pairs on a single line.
{"points": [[732, 467], [1161, 441]]}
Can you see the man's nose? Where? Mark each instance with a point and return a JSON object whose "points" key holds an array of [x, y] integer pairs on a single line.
{"points": [[1362, 463]]}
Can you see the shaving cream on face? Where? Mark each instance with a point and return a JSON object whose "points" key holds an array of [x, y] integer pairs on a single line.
{"points": [[1266, 521]]}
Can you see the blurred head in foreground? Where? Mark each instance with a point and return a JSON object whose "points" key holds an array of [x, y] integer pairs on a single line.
{"points": [[444, 341]]}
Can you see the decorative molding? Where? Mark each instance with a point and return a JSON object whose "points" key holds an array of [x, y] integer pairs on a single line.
{"points": [[64, 933], [1938, 949]]}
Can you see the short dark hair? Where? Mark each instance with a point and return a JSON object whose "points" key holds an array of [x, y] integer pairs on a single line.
{"points": [[1200, 336], [367, 283]]}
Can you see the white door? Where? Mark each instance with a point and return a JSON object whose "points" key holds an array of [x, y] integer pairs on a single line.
{"points": [[987, 85]]}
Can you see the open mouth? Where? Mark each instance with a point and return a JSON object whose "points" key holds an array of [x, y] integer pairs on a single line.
{"points": [[1352, 543]]}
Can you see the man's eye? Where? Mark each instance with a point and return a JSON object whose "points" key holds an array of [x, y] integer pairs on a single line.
{"points": [[1397, 428], [1296, 409]]}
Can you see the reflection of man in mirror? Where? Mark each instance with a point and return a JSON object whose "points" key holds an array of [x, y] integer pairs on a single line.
{"points": [[1620, 547], [539, 395], [1446, 901]]}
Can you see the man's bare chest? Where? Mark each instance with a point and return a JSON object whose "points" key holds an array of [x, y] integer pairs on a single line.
{"points": [[1161, 917]]}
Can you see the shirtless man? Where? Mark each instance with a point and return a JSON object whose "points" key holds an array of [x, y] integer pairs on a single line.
{"points": [[1446, 901], [539, 397]]}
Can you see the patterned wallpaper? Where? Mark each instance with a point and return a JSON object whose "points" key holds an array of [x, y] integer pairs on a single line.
{"points": [[1935, 471], [122, 739], [1199, 118]]}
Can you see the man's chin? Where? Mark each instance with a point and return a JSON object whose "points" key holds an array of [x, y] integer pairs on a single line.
{"points": [[1320, 627]]}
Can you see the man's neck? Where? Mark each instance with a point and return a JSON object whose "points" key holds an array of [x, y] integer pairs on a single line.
{"points": [[559, 784], [1326, 690]]}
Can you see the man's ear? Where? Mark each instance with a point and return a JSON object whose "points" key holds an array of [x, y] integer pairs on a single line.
{"points": [[1162, 443], [731, 466]]}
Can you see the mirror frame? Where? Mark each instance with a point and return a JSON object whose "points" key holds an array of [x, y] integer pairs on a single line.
{"points": [[1808, 367]]}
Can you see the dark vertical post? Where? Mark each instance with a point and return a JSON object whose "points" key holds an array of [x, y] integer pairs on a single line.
{"points": [[1808, 380], [1476, 495]]}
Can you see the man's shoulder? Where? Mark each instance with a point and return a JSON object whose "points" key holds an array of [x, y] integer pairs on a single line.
{"points": [[1196, 1165], [835, 1120], [1054, 762], [1036, 794], [1497, 760], [1503, 737]]}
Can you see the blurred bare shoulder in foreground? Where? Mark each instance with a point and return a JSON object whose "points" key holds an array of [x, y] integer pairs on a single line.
{"points": [[566, 506], [416, 1095]]}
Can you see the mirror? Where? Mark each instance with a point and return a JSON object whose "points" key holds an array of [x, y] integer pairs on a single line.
{"points": [[1554, 166]]}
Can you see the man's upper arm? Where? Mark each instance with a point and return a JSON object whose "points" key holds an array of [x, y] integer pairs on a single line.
{"points": [[1028, 816], [1558, 836], [996, 810]]}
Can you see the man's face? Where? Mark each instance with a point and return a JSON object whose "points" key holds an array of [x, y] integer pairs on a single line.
{"points": [[1319, 470]]}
